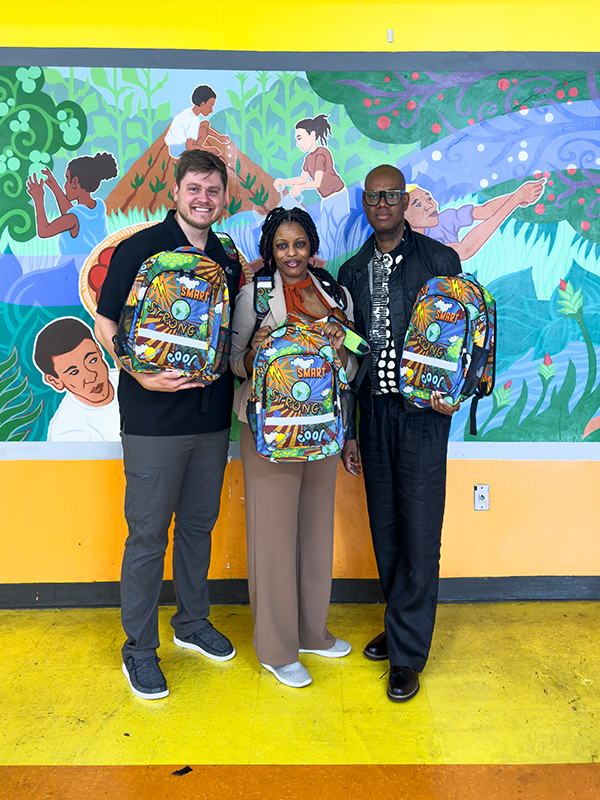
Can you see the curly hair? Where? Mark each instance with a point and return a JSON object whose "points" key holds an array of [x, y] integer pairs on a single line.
{"points": [[92, 170], [282, 216]]}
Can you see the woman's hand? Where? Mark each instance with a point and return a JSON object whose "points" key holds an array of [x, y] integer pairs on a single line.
{"points": [[35, 188], [335, 333], [50, 179], [258, 338]]}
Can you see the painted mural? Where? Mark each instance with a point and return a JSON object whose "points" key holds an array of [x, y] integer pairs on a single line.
{"points": [[503, 167]]}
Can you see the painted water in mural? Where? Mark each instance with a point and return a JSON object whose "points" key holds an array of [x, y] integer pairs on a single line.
{"points": [[503, 167]]}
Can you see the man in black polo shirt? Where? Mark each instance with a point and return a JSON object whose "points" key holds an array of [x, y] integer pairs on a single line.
{"points": [[175, 437], [403, 449]]}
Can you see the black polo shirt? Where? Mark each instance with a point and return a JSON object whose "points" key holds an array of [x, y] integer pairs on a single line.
{"points": [[145, 413]]}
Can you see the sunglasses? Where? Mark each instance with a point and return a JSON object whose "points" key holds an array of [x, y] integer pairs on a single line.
{"points": [[392, 197]]}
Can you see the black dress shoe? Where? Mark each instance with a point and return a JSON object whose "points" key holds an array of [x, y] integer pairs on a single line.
{"points": [[403, 684], [376, 650]]}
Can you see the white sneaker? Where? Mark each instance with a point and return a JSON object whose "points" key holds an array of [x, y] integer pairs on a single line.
{"points": [[339, 649], [294, 675]]}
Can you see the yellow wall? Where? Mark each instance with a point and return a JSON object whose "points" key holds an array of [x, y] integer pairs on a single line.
{"points": [[307, 26], [62, 520]]}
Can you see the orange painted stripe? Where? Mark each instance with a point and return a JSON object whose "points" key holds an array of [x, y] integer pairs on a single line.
{"points": [[423, 782]]}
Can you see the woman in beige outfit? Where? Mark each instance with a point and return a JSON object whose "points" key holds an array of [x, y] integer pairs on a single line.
{"points": [[289, 505]]}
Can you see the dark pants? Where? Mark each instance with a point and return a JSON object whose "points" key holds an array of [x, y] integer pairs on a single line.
{"points": [[166, 475], [404, 462]]}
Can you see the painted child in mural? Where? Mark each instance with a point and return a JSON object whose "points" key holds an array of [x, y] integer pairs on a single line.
{"points": [[71, 361], [444, 226], [318, 172], [188, 132], [82, 221]]}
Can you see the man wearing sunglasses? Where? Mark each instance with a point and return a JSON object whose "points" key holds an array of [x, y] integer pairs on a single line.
{"points": [[403, 449]]}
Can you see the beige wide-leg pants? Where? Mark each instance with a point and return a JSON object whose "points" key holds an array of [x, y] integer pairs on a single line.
{"points": [[289, 530]]}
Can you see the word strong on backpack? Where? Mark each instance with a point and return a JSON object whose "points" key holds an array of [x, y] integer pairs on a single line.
{"points": [[450, 344], [176, 317]]}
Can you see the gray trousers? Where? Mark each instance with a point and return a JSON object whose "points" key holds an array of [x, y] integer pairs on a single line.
{"points": [[166, 475]]}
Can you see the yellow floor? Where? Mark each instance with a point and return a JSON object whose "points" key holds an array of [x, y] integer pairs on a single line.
{"points": [[505, 684]]}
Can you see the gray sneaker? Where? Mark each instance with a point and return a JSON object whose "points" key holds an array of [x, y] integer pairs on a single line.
{"points": [[340, 648], [209, 642], [294, 675], [145, 677]]}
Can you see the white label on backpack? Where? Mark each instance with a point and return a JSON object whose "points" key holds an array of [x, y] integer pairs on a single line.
{"points": [[163, 336], [451, 366], [277, 421]]}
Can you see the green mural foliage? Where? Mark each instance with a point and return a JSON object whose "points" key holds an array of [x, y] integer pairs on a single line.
{"points": [[17, 407], [425, 107], [562, 419], [32, 129]]}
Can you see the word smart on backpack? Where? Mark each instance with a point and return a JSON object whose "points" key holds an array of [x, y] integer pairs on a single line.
{"points": [[450, 343], [176, 317], [296, 409]]}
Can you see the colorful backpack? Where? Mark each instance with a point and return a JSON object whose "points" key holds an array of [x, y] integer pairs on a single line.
{"points": [[176, 317], [297, 407], [450, 343]]}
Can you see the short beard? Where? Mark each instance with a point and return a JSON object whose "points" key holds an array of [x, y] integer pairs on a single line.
{"points": [[194, 223]]}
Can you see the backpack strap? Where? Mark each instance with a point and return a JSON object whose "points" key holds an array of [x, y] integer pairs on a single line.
{"points": [[264, 283], [228, 245]]}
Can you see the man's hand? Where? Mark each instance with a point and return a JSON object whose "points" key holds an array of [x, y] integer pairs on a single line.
{"points": [[169, 381], [440, 405], [350, 458]]}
